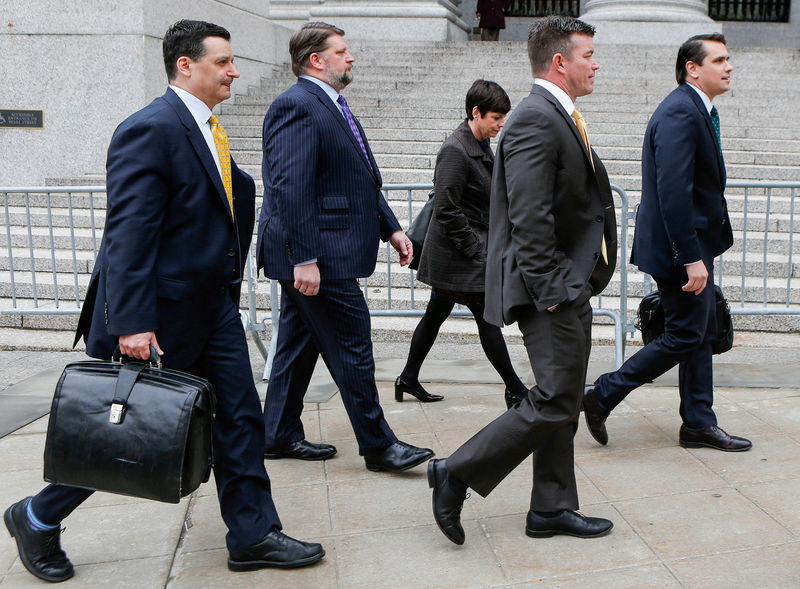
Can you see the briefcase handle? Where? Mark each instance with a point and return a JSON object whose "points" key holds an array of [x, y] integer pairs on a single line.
{"points": [[126, 379], [155, 359]]}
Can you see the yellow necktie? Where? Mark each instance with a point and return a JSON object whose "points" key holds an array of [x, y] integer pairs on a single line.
{"points": [[224, 155], [580, 122]]}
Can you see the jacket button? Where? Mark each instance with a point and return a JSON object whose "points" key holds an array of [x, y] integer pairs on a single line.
{"points": [[231, 253], [598, 218], [222, 289]]}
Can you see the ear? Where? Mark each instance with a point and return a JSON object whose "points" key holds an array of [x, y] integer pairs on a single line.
{"points": [[691, 69], [558, 63], [476, 113], [184, 66], [316, 61]]}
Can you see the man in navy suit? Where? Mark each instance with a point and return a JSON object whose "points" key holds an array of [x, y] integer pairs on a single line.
{"points": [[178, 227], [681, 226], [319, 230]]}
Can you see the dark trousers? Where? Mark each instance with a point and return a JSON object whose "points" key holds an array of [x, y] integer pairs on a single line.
{"points": [[690, 328], [334, 323], [490, 34], [243, 486], [492, 342], [558, 345]]}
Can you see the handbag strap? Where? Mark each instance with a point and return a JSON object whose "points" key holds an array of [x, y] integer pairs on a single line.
{"points": [[128, 374]]}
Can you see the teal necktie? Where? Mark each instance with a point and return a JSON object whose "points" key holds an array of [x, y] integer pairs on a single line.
{"points": [[715, 122]]}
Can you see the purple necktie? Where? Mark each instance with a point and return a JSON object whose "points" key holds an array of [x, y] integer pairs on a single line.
{"points": [[353, 127]]}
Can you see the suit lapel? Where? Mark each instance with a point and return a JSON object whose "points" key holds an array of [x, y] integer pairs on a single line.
{"points": [[567, 118], [198, 142], [339, 118], [701, 107]]}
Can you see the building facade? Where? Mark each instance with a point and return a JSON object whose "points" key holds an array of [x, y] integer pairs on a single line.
{"points": [[86, 65]]}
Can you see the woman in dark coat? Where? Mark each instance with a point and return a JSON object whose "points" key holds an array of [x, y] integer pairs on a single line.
{"points": [[491, 18], [453, 260]]}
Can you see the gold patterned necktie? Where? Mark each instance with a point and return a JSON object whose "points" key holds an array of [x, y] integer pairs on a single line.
{"points": [[580, 122], [224, 155]]}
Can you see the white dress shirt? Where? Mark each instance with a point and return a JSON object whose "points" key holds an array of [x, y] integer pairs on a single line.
{"points": [[200, 113], [703, 96], [559, 94], [332, 94]]}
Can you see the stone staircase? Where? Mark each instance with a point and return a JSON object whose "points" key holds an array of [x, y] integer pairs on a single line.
{"points": [[409, 96]]}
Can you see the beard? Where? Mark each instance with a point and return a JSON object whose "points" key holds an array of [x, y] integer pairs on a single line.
{"points": [[338, 80]]}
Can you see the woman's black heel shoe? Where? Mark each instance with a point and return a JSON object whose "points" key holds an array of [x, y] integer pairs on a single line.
{"points": [[417, 391]]}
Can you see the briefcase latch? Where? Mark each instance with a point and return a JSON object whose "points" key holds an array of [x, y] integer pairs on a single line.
{"points": [[116, 414]]}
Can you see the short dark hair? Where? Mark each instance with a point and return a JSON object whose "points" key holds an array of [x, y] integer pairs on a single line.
{"points": [[488, 97], [312, 37], [694, 50], [551, 35], [186, 37]]}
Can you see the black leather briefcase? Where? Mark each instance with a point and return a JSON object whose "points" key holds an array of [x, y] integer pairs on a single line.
{"points": [[130, 428], [650, 319]]}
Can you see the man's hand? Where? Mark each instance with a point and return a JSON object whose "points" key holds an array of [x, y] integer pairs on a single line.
{"points": [[698, 278], [402, 244], [306, 279], [137, 345]]}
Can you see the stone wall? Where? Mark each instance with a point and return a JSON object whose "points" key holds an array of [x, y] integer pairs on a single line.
{"points": [[90, 64]]}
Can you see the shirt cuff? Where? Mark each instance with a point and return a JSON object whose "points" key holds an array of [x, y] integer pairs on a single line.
{"points": [[307, 262]]}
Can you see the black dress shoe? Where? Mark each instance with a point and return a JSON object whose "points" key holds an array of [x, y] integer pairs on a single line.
{"points": [[414, 390], [397, 457], [40, 552], [302, 450], [447, 500], [712, 437], [570, 523], [512, 400], [275, 550], [595, 416]]}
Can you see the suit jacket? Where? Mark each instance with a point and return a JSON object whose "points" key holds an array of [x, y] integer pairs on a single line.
{"points": [[322, 197], [683, 216], [548, 214], [454, 256], [171, 251]]}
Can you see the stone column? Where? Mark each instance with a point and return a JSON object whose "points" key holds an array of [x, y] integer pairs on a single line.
{"points": [[389, 20], [663, 22]]}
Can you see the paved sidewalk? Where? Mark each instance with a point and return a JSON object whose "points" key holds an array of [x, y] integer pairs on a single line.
{"points": [[683, 518]]}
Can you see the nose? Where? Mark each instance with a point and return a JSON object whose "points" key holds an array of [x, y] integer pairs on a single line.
{"points": [[349, 58], [233, 72]]}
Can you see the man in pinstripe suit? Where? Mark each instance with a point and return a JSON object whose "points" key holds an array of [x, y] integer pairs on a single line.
{"points": [[319, 230]]}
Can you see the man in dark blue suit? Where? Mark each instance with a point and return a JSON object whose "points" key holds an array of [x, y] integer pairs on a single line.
{"points": [[319, 230], [178, 226], [681, 226]]}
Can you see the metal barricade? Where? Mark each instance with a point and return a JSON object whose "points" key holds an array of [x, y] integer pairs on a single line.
{"points": [[761, 214], [42, 222], [391, 310], [52, 236]]}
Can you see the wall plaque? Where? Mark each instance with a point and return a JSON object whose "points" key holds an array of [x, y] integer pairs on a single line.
{"points": [[21, 118]]}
